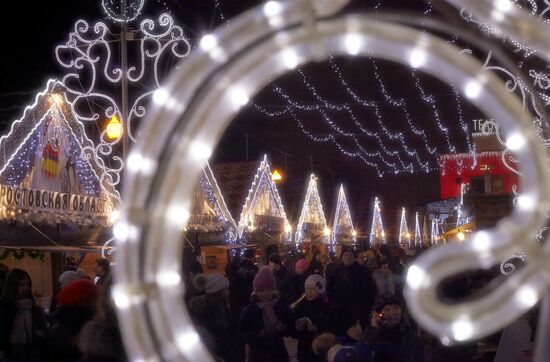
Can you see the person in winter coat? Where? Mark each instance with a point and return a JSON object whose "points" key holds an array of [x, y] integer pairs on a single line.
{"points": [[265, 321], [389, 333], [384, 279], [241, 282], [299, 277], [313, 316], [22, 322], [352, 291], [100, 339], [76, 306], [211, 311]]}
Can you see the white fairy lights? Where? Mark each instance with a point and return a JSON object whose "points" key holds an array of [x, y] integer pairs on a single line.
{"points": [[263, 199], [343, 224], [253, 60], [312, 218], [377, 234], [404, 234]]}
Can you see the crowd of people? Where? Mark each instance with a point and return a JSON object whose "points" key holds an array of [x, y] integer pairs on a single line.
{"points": [[348, 308], [80, 324]]}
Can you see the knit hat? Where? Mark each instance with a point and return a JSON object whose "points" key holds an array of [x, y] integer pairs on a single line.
{"points": [[301, 264], [79, 293], [264, 280], [317, 281], [67, 277]]}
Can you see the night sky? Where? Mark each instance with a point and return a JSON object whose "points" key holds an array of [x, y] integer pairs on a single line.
{"points": [[28, 60]]}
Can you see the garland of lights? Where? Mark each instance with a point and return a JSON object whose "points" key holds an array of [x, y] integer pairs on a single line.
{"points": [[377, 234], [262, 188], [370, 158], [312, 214], [343, 224]]}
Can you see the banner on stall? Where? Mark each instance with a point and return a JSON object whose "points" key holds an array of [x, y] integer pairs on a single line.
{"points": [[32, 199]]}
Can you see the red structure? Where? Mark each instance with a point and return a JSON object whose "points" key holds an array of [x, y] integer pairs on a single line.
{"points": [[489, 175]]}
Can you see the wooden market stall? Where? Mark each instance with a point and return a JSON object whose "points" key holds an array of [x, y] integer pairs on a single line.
{"points": [[211, 231], [263, 219], [56, 197]]}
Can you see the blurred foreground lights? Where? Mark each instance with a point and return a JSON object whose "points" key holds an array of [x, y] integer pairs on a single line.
{"points": [[160, 96], [526, 202], [353, 44], [137, 163], [186, 340], [472, 89], [481, 241], [417, 277], [114, 216], [200, 150], [123, 298], [238, 97], [503, 5], [121, 231], [208, 42], [272, 8], [179, 215], [515, 142], [527, 296], [463, 329], [168, 279], [290, 59], [460, 236], [417, 58]]}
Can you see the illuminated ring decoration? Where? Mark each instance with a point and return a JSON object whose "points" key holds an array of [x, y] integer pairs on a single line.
{"points": [[508, 19], [198, 102]]}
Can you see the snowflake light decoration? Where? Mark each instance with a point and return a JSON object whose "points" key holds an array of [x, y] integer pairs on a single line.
{"points": [[94, 73]]}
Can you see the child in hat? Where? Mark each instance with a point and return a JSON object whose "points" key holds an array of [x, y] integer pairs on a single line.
{"points": [[313, 316], [265, 321]]}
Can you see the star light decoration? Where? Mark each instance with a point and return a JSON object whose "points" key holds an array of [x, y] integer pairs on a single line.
{"points": [[263, 199], [312, 220], [343, 224], [94, 73]]}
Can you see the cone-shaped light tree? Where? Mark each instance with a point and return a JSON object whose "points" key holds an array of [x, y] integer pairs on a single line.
{"points": [[343, 225], [404, 235], [417, 235], [377, 234], [312, 215]]}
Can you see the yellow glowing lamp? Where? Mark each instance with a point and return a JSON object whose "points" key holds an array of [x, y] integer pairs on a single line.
{"points": [[354, 233], [460, 236], [276, 176], [288, 228], [326, 231], [56, 98], [114, 128]]}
